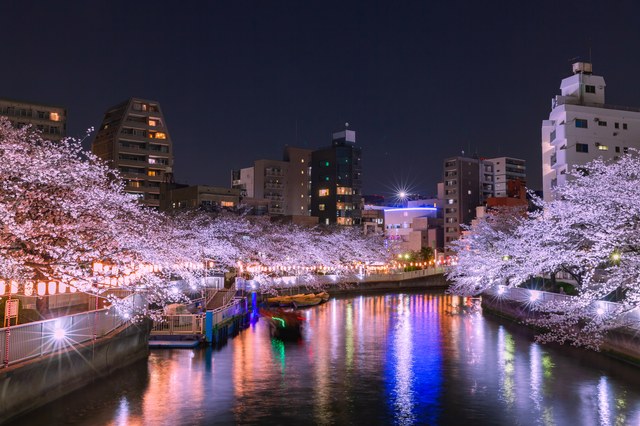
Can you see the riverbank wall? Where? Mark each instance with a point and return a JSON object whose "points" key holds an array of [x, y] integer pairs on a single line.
{"points": [[622, 343], [39, 381]]}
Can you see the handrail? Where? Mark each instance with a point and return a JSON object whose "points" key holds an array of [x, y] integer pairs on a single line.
{"points": [[26, 341]]}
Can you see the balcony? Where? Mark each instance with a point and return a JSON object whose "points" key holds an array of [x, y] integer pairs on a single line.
{"points": [[269, 185]]}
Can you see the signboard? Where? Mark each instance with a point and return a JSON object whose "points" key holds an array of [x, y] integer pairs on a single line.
{"points": [[11, 311]]}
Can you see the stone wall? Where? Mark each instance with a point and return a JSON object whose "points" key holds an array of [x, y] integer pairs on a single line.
{"points": [[36, 382]]}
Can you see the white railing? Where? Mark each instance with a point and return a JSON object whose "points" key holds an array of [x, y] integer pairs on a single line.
{"points": [[294, 281], [26, 341], [600, 307], [195, 323], [236, 307], [179, 324]]}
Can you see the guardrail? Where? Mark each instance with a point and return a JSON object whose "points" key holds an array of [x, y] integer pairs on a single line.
{"points": [[295, 281], [600, 307], [195, 323], [22, 342], [236, 307], [179, 324]]}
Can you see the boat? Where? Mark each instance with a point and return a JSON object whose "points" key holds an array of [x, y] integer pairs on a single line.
{"points": [[300, 301], [284, 325], [324, 295]]}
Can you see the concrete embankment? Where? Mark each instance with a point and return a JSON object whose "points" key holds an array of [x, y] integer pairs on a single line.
{"points": [[36, 382], [622, 343]]}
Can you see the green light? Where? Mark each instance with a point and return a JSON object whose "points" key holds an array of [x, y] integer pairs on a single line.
{"points": [[326, 163], [281, 321]]}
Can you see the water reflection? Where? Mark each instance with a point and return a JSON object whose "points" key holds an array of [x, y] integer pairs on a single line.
{"points": [[413, 358]]}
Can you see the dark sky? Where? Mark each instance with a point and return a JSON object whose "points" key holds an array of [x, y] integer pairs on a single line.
{"points": [[238, 80]]}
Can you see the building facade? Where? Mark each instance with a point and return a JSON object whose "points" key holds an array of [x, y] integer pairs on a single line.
{"points": [[50, 120], [336, 181], [202, 197], [135, 140], [469, 182], [582, 127]]}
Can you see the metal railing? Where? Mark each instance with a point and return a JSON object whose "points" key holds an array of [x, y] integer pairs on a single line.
{"points": [[23, 342], [294, 281], [602, 307], [235, 307], [194, 323], [179, 324]]}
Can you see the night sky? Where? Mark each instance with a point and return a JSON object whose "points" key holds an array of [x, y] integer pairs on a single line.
{"points": [[239, 80]]}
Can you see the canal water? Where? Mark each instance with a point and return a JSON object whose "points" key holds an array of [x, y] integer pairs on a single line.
{"points": [[406, 358]]}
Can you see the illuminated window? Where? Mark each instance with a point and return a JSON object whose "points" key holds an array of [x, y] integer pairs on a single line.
{"points": [[54, 116], [321, 207], [323, 192], [153, 123], [135, 184], [153, 173], [227, 203], [342, 190], [157, 135], [603, 147]]}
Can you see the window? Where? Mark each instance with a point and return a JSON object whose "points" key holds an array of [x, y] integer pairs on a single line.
{"points": [[602, 123], [582, 147], [625, 150], [624, 126], [616, 125], [603, 147], [153, 173], [323, 192], [617, 149], [157, 135], [341, 190], [590, 89], [581, 124], [227, 203]]}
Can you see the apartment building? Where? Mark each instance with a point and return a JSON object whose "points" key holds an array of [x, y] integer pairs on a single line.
{"points": [[336, 181], [469, 182], [134, 139], [582, 127], [50, 120]]}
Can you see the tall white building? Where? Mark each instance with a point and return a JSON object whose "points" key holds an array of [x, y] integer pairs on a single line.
{"points": [[582, 127]]}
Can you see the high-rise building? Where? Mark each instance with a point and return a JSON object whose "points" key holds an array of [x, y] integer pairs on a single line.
{"points": [[582, 127], [50, 120], [336, 181], [469, 182], [134, 139]]}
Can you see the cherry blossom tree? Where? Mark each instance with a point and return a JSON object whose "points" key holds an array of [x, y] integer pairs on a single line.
{"points": [[65, 217], [590, 233]]}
